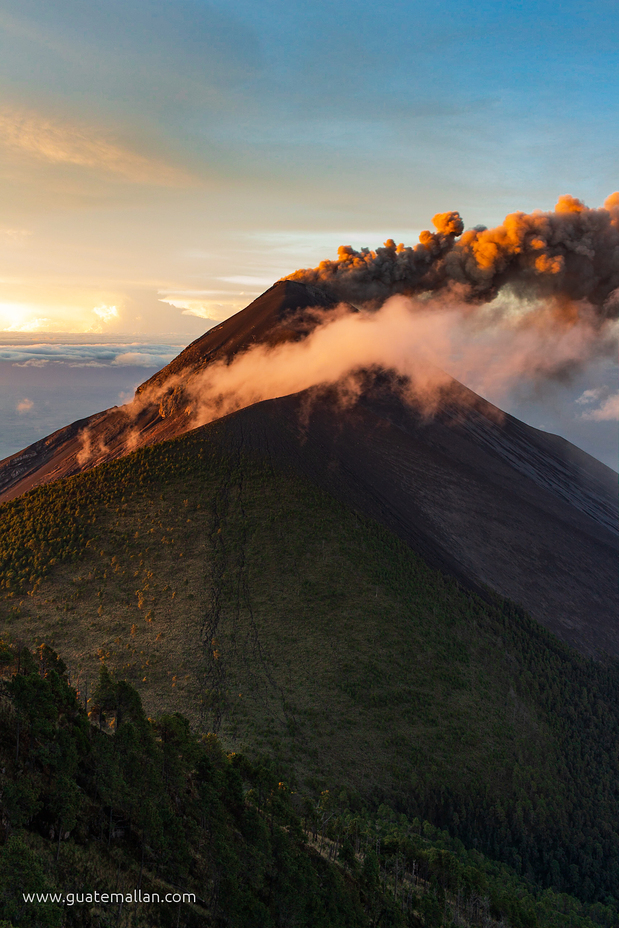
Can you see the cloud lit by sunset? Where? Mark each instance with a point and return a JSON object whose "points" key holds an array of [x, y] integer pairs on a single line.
{"points": [[31, 134]]}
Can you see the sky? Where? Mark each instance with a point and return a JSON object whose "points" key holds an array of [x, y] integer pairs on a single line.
{"points": [[162, 163]]}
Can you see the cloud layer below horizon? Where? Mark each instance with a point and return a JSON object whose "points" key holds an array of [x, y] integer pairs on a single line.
{"points": [[88, 355]]}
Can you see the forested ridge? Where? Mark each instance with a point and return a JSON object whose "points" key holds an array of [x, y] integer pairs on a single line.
{"points": [[480, 722], [112, 801]]}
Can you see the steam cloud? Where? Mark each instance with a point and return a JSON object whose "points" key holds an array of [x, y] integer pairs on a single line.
{"points": [[405, 336]]}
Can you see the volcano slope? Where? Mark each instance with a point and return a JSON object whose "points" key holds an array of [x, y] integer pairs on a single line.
{"points": [[163, 406], [325, 582], [227, 586], [475, 492]]}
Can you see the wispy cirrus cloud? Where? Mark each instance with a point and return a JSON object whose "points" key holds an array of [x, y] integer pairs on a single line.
{"points": [[63, 142], [14, 237], [200, 303]]}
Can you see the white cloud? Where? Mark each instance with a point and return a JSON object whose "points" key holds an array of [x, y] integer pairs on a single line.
{"points": [[33, 362], [204, 309], [608, 411], [98, 355], [24, 405], [215, 312], [105, 313], [589, 396], [142, 359], [85, 364]]}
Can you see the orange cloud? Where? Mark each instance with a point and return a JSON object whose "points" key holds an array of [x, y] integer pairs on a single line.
{"points": [[65, 143]]}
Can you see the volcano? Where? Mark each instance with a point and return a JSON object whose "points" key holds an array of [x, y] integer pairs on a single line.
{"points": [[499, 505]]}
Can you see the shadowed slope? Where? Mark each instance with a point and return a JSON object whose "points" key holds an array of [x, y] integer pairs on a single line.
{"points": [[489, 499]]}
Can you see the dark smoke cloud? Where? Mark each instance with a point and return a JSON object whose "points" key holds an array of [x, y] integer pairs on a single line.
{"points": [[570, 256]]}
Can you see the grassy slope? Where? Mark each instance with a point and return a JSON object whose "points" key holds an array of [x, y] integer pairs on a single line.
{"points": [[269, 613]]}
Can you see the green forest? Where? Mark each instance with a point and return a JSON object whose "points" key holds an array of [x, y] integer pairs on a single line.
{"points": [[147, 805], [359, 739]]}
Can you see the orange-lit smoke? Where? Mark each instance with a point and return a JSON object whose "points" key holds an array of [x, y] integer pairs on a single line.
{"points": [[534, 297], [424, 346], [392, 338], [571, 254]]}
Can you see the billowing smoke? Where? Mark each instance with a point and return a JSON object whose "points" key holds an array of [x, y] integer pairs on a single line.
{"points": [[536, 297], [337, 351], [425, 348], [571, 255]]}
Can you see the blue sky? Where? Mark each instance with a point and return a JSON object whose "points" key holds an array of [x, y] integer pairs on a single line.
{"points": [[161, 163], [163, 146]]}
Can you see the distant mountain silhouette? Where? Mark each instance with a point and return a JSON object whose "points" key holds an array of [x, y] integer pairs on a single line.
{"points": [[494, 502]]}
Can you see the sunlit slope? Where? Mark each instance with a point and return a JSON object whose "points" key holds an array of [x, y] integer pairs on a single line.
{"points": [[165, 404], [266, 610]]}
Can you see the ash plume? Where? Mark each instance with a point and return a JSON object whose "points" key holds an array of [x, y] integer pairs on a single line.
{"points": [[535, 298], [570, 254]]}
